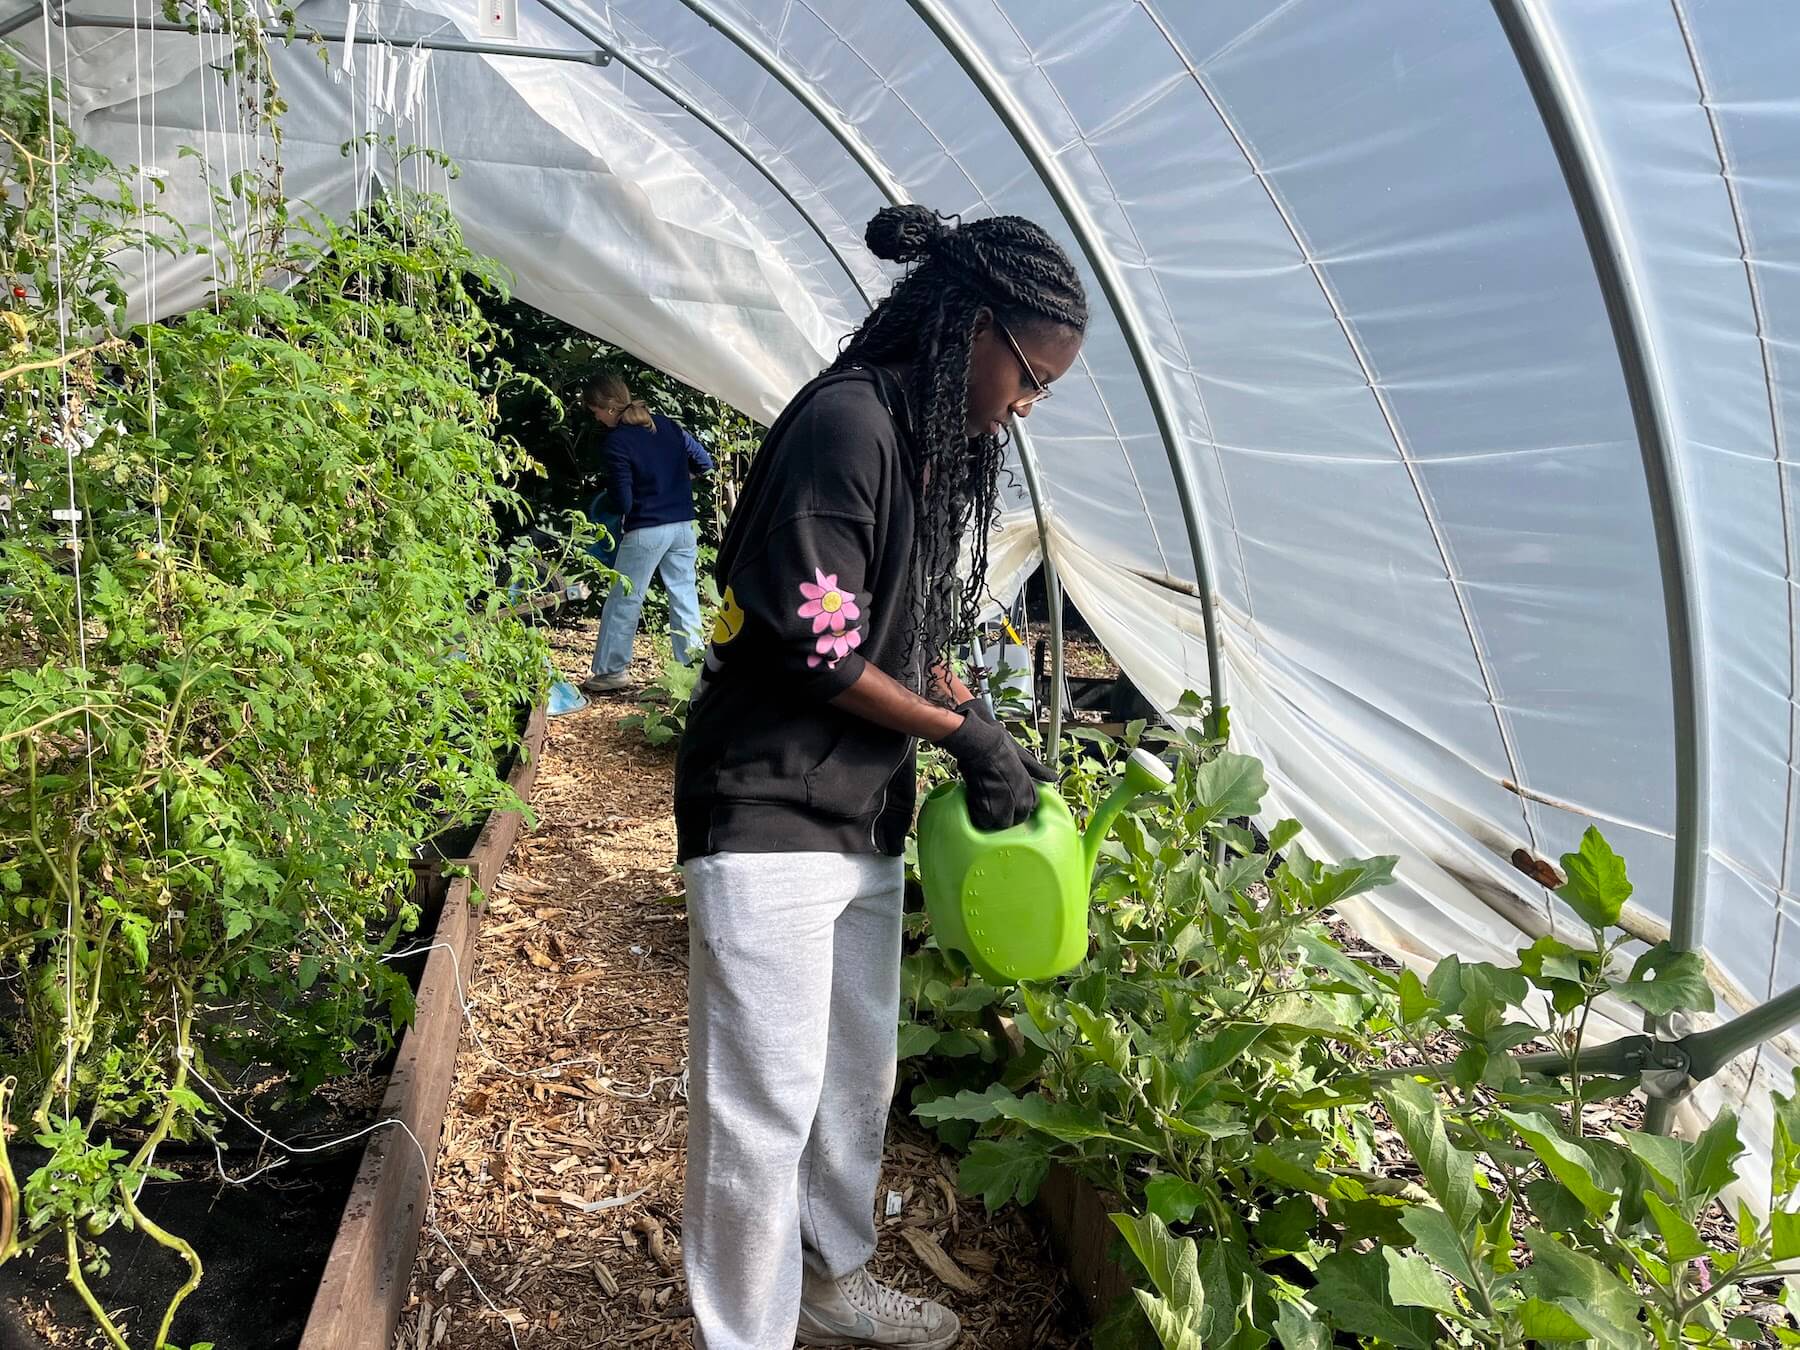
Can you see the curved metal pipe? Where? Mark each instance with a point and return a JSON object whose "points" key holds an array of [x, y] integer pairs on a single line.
{"points": [[1131, 322], [889, 187], [664, 86], [827, 117], [1553, 86]]}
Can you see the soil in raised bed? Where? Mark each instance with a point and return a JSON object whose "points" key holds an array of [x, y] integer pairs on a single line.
{"points": [[263, 1244], [570, 1092]]}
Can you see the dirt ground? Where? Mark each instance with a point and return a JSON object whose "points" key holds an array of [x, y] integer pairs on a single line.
{"points": [[560, 1180]]}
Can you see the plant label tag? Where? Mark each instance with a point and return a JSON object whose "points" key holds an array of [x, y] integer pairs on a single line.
{"points": [[500, 19]]}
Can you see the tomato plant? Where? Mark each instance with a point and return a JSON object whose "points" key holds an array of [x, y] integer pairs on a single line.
{"points": [[253, 649]]}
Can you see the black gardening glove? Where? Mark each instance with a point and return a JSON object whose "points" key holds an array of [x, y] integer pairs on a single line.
{"points": [[1001, 793], [1034, 766]]}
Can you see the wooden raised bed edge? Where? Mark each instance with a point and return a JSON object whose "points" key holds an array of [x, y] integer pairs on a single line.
{"points": [[369, 1269], [1075, 1213]]}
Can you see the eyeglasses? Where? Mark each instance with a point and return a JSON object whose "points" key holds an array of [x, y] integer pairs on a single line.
{"points": [[1039, 390]]}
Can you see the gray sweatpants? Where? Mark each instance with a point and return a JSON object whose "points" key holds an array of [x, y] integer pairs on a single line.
{"points": [[793, 1005]]}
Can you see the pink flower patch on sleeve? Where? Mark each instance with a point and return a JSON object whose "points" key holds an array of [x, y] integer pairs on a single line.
{"points": [[831, 608], [836, 646]]}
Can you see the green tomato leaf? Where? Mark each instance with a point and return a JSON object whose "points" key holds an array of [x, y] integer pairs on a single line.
{"points": [[1415, 1004], [916, 1039]]}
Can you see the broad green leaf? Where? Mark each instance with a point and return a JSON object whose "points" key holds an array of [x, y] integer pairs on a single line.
{"points": [[1204, 1059], [1287, 1226], [1068, 1123], [1223, 1277], [1413, 1282], [1444, 985], [1666, 981], [1785, 1169], [1438, 1238], [1284, 833], [1597, 888], [1449, 1172], [1003, 1170], [1711, 1162], [1606, 1307], [979, 1107], [1567, 1161], [1665, 1157], [1352, 1290], [1111, 1044], [1552, 959], [916, 1039], [1681, 1240], [1173, 1263], [1299, 1330], [1242, 871], [1172, 1199], [1541, 1321], [1414, 1003], [1288, 1172], [1230, 785], [1173, 1331], [1784, 1233]]}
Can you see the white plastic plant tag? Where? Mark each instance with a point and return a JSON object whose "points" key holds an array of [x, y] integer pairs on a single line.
{"points": [[349, 61], [393, 78]]}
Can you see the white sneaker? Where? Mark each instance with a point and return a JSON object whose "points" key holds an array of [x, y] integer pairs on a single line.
{"points": [[857, 1311]]}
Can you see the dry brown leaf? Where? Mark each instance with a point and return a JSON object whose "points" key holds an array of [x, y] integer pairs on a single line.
{"points": [[539, 959], [938, 1261]]}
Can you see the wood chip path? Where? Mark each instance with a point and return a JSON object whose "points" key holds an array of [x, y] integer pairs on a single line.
{"points": [[560, 1179]]}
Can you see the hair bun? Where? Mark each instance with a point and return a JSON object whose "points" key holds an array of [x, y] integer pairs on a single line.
{"points": [[905, 234]]}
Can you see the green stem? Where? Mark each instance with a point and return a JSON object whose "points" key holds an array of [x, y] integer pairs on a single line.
{"points": [[9, 1183], [173, 1243], [114, 1337]]}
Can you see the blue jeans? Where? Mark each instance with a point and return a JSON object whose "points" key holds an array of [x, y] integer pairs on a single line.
{"points": [[671, 552]]}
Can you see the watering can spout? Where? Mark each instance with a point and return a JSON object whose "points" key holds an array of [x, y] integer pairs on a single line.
{"points": [[1144, 772]]}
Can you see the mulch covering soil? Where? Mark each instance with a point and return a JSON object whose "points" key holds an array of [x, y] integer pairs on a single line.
{"points": [[560, 1180]]}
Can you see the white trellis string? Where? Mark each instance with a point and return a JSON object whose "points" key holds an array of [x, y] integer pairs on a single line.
{"points": [[298, 1150], [65, 431]]}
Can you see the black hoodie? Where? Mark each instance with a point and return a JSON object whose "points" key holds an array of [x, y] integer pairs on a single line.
{"points": [[813, 573]]}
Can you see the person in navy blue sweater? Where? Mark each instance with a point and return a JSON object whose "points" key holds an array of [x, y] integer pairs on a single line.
{"points": [[652, 463]]}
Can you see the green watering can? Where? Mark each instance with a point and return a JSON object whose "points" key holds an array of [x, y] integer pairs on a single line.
{"points": [[1015, 901]]}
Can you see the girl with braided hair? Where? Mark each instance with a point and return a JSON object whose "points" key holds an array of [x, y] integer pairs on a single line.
{"points": [[795, 783]]}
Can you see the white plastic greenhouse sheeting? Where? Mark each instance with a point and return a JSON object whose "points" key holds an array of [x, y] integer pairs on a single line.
{"points": [[1356, 259]]}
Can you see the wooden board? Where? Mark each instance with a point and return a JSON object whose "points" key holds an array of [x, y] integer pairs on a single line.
{"points": [[369, 1269], [1074, 1214]]}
